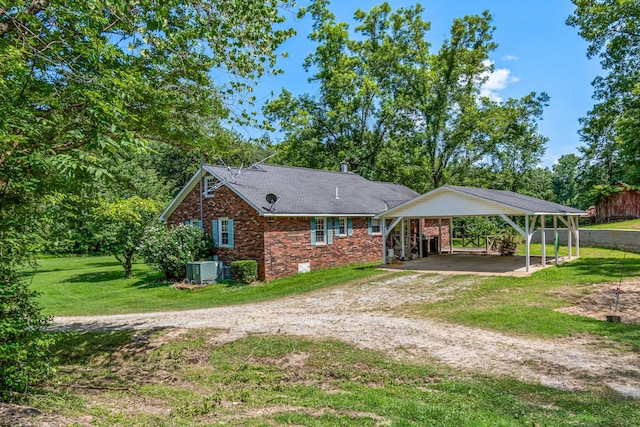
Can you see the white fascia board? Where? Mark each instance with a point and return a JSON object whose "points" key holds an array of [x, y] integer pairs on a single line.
{"points": [[559, 213]]}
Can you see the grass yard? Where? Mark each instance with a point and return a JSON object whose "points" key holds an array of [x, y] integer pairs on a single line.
{"points": [[633, 224], [527, 305], [172, 377], [76, 286], [158, 378]]}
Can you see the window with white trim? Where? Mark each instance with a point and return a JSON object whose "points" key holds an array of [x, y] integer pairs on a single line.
{"points": [[375, 226], [342, 226], [321, 231], [224, 231], [209, 182]]}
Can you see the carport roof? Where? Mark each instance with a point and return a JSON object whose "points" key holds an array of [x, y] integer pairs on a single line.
{"points": [[452, 201]]}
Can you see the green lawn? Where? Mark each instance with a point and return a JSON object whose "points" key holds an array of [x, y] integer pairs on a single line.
{"points": [[117, 379], [633, 224], [73, 286], [261, 380], [525, 305]]}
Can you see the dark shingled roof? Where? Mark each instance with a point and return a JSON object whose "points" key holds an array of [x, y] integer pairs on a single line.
{"points": [[304, 191], [516, 200]]}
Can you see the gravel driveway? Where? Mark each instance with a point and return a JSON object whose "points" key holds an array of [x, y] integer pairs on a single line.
{"points": [[366, 315]]}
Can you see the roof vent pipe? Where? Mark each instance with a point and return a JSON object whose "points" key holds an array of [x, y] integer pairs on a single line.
{"points": [[344, 167]]}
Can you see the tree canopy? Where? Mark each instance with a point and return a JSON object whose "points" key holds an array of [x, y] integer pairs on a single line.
{"points": [[82, 81], [396, 111], [611, 130]]}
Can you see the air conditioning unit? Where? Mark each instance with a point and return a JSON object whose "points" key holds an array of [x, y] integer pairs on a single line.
{"points": [[203, 272]]}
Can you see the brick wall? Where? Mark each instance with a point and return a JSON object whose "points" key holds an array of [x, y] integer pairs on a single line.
{"points": [[288, 243], [430, 227], [248, 225]]}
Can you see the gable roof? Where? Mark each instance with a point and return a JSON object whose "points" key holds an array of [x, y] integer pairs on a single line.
{"points": [[451, 200], [303, 192]]}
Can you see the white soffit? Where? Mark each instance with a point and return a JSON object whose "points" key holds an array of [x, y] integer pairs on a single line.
{"points": [[446, 203]]}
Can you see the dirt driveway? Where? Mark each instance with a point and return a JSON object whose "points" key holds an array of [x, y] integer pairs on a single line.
{"points": [[366, 315]]}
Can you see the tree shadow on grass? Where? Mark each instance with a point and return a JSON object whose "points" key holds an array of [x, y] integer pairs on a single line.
{"points": [[147, 279], [96, 277], [96, 264], [93, 355], [151, 281]]}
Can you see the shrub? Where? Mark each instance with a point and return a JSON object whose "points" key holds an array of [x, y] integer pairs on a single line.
{"points": [[24, 343], [244, 271], [169, 250]]}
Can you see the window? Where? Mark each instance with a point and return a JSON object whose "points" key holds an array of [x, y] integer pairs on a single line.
{"points": [[209, 182], [374, 226], [321, 231], [223, 232], [342, 227]]}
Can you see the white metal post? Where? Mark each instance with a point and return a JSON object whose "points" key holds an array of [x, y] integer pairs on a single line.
{"points": [[383, 228], [555, 236], [402, 238], [450, 237], [420, 237], [543, 239], [569, 235], [527, 239], [577, 236]]}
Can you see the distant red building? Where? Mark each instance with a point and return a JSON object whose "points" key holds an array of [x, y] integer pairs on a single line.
{"points": [[619, 206]]}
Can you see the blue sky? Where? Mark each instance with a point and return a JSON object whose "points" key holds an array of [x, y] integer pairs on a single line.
{"points": [[536, 51]]}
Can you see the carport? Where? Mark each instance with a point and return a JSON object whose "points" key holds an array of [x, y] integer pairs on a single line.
{"points": [[448, 202]]}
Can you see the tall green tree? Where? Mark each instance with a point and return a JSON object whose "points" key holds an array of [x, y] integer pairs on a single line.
{"points": [[120, 227], [82, 80], [566, 188], [612, 29], [396, 111], [350, 117], [516, 147]]}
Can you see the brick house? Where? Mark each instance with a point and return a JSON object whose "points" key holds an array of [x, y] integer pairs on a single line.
{"points": [[288, 219]]}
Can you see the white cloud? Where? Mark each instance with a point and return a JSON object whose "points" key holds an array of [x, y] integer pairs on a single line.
{"points": [[496, 81], [509, 58]]}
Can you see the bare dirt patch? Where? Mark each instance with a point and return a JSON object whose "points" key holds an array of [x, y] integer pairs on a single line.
{"points": [[598, 301]]}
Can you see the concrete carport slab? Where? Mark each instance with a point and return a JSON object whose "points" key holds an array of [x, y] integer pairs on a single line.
{"points": [[478, 264]]}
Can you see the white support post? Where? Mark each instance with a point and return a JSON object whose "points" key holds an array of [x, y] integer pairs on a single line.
{"points": [[420, 237], [383, 228], [577, 228], [513, 224], [543, 239], [569, 235], [402, 238], [450, 238], [392, 226], [555, 236], [527, 241]]}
